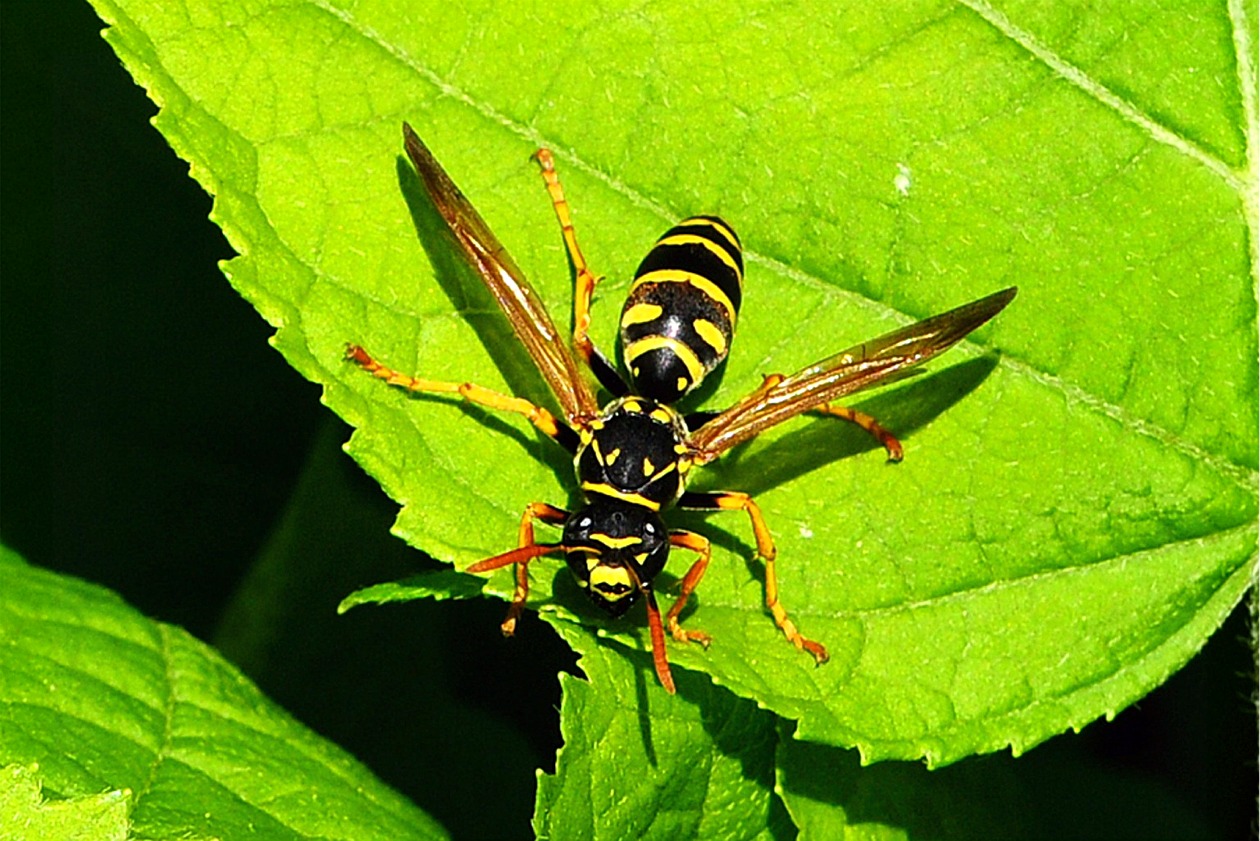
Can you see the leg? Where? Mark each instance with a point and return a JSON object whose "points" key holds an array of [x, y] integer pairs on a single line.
{"points": [[891, 445], [889, 441], [700, 545], [584, 282], [526, 550], [735, 501], [658, 643], [656, 631], [537, 415]]}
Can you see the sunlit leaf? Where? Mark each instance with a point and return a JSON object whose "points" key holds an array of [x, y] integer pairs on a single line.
{"points": [[1077, 508]]}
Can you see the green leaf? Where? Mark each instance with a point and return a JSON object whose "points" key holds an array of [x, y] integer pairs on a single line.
{"points": [[446, 584], [638, 763], [104, 700], [1077, 508]]}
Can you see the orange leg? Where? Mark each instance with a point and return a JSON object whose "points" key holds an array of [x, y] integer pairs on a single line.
{"points": [[889, 441], [479, 395], [658, 644], [700, 545], [736, 501], [526, 550], [656, 631]]}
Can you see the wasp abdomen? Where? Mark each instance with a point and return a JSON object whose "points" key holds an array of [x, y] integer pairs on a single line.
{"points": [[680, 314]]}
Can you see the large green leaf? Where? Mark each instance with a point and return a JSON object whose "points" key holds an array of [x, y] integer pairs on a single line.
{"points": [[1076, 512], [133, 722]]}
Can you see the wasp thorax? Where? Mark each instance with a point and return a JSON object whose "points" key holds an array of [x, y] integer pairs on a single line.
{"points": [[635, 453], [615, 550]]}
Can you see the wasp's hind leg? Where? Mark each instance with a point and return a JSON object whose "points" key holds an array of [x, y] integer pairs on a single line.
{"points": [[889, 441], [584, 283], [886, 439]]}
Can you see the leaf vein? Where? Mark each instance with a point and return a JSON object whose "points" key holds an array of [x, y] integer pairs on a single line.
{"points": [[1104, 95]]}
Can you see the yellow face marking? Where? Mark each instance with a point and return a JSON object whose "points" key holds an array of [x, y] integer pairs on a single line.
{"points": [[641, 314], [648, 467], [727, 233], [632, 498], [712, 336], [616, 542], [641, 557], [705, 285], [683, 383], [717, 250], [685, 354], [611, 457], [608, 580], [592, 561]]}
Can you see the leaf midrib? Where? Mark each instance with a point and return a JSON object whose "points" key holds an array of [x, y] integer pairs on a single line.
{"points": [[1073, 75]]}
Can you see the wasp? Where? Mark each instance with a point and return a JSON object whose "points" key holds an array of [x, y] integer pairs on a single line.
{"points": [[632, 455]]}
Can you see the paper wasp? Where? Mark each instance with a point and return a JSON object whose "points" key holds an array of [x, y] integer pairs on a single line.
{"points": [[632, 455]]}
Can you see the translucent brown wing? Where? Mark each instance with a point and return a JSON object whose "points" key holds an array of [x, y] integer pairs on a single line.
{"points": [[852, 370], [506, 282]]}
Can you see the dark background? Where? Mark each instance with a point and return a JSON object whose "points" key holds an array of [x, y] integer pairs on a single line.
{"points": [[151, 441]]}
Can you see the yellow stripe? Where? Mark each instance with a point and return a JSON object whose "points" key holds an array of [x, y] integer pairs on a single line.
{"points": [[641, 314], [651, 343], [717, 250], [677, 276], [616, 542], [656, 475], [726, 232], [632, 498], [712, 336]]}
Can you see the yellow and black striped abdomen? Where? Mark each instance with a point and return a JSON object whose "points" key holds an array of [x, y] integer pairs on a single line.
{"points": [[680, 314]]}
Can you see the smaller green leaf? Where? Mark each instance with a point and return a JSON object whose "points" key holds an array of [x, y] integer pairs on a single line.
{"points": [[25, 814], [438, 585], [639, 763], [103, 699]]}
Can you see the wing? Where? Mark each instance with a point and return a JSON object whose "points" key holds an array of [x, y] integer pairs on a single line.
{"points": [[852, 370], [506, 282]]}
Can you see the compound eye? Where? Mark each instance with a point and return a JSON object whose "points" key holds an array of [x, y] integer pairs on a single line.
{"points": [[653, 536]]}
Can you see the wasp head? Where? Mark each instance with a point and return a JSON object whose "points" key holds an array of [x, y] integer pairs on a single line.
{"points": [[615, 549]]}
